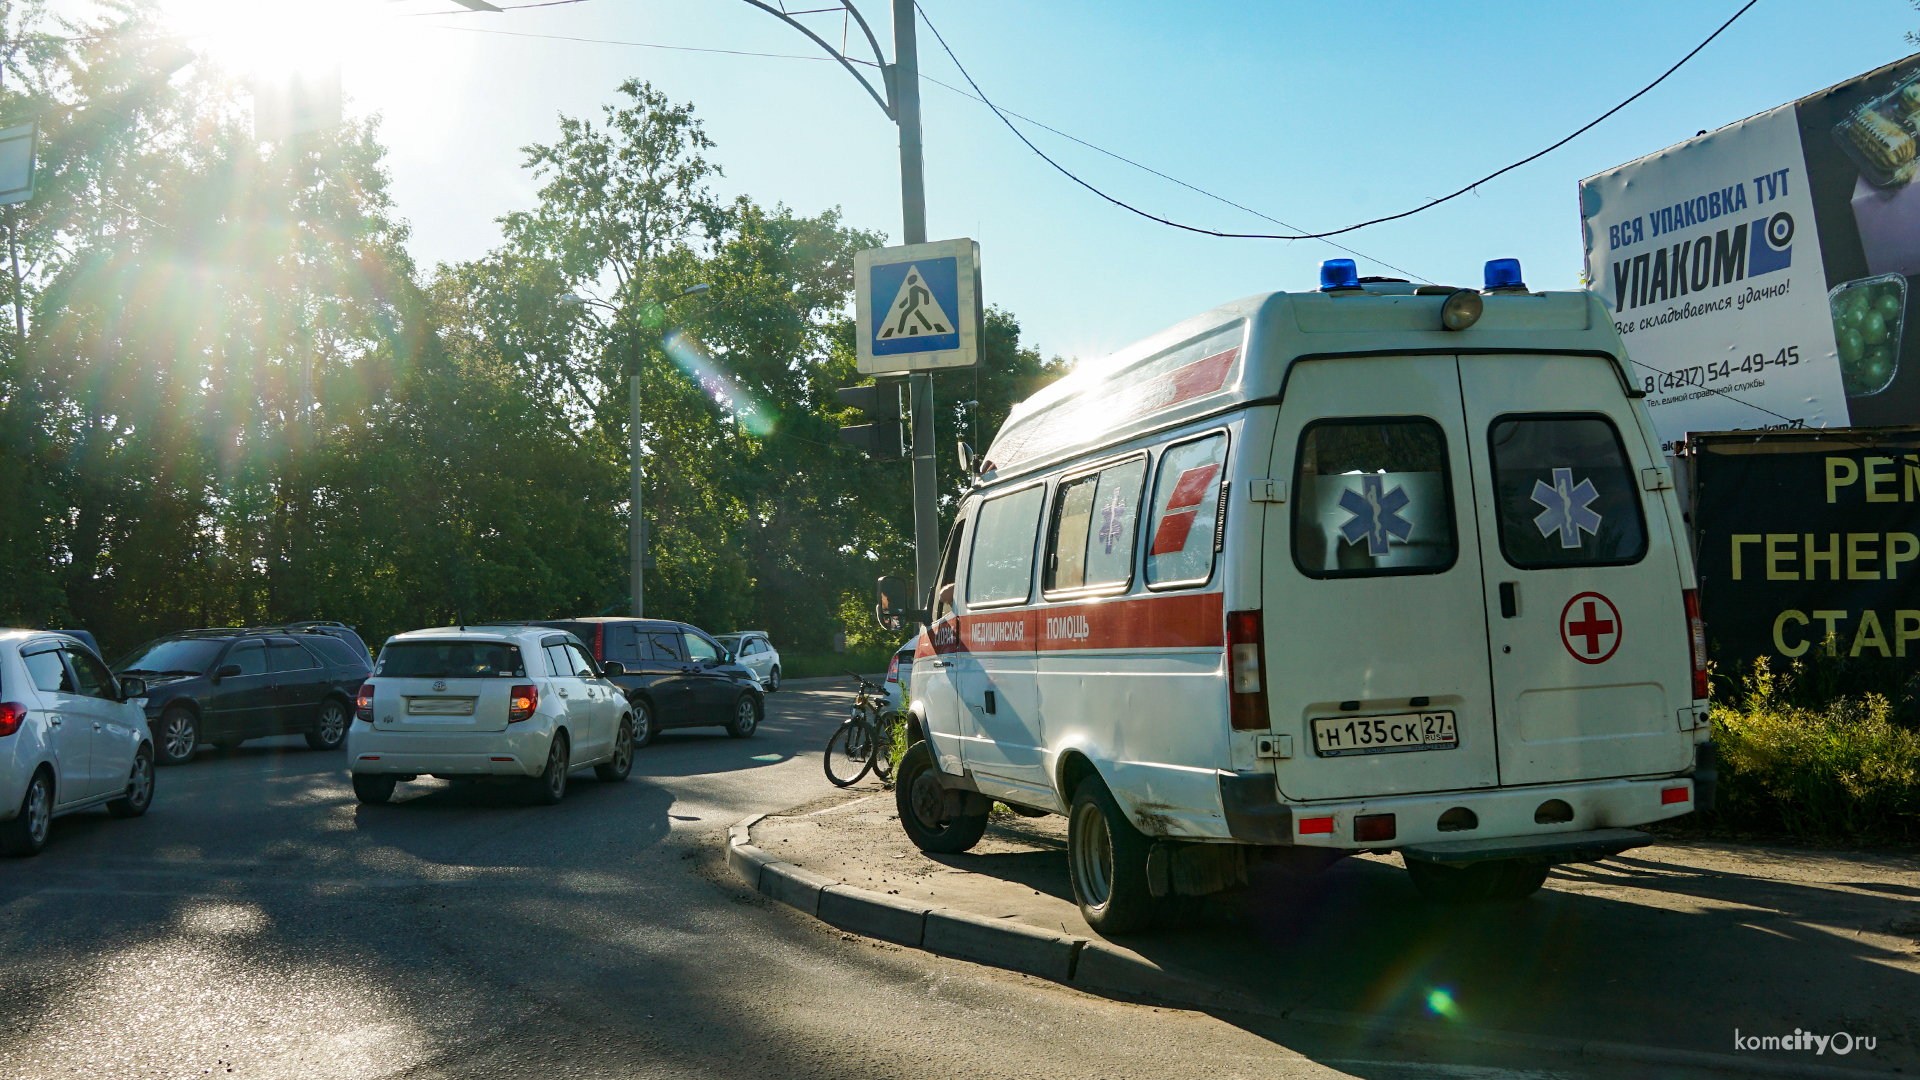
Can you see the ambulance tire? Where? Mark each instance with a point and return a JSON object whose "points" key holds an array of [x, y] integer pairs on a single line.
{"points": [[921, 803], [1107, 860], [1501, 880]]}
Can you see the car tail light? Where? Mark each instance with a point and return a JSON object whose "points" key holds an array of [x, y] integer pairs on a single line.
{"points": [[363, 705], [599, 643], [521, 701], [1246, 670], [893, 669], [1697, 633], [12, 715], [1369, 828], [1669, 796], [1311, 825]]}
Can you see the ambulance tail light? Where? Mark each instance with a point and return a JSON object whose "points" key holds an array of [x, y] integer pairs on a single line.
{"points": [[1246, 670], [1697, 634]]}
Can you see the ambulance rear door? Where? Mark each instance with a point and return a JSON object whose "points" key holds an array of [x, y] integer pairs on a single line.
{"points": [[1375, 624], [1591, 668]]}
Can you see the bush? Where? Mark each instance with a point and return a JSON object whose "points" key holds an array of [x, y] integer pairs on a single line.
{"points": [[867, 660], [1840, 770]]}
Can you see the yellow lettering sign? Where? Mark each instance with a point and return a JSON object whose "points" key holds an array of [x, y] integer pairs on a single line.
{"points": [[1859, 550], [1840, 472], [1869, 636], [1875, 478], [1906, 627], [1779, 633], [1831, 557], [1775, 557], [1831, 636], [1901, 547], [1738, 539]]}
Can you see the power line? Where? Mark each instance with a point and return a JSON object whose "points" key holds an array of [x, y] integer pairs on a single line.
{"points": [[1334, 232], [1161, 175], [634, 44]]}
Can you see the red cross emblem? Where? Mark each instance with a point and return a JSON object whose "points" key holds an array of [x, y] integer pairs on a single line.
{"points": [[1590, 628]]}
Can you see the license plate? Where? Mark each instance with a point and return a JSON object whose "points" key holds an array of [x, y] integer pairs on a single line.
{"points": [[440, 706], [1341, 736]]}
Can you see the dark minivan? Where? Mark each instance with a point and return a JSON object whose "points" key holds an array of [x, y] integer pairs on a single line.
{"points": [[675, 675], [229, 685]]}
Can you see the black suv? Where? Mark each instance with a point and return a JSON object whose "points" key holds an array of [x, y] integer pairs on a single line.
{"points": [[675, 675], [228, 685]]}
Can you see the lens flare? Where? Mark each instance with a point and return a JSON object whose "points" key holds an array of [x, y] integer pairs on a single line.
{"points": [[688, 355], [1440, 1003]]}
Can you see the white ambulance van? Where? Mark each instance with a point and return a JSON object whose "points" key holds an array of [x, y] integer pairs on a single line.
{"points": [[1377, 567]]}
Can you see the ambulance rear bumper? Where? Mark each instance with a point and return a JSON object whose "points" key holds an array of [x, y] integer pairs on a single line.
{"points": [[1530, 821]]}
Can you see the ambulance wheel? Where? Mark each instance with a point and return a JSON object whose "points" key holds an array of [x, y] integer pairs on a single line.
{"points": [[1485, 882], [1107, 858], [922, 804]]}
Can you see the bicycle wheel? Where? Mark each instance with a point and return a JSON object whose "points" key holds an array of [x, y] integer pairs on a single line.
{"points": [[883, 746], [849, 754]]}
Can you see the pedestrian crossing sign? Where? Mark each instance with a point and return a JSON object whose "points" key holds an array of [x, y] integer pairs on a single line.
{"points": [[918, 306]]}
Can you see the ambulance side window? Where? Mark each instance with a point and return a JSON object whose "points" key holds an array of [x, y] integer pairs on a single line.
{"points": [[1186, 512], [1095, 519], [1564, 492], [1372, 497], [1000, 570]]}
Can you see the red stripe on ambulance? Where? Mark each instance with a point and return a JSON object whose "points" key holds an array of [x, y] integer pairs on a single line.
{"points": [[1184, 620]]}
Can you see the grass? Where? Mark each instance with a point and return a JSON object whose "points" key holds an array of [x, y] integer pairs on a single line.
{"points": [[1842, 768]]}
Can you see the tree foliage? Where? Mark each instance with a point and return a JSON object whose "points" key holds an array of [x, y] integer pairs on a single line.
{"points": [[237, 400]]}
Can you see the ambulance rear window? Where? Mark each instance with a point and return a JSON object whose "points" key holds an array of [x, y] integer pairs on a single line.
{"points": [[1372, 497], [1564, 491]]}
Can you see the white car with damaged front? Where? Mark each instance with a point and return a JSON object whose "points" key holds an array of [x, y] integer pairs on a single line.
{"points": [[523, 706]]}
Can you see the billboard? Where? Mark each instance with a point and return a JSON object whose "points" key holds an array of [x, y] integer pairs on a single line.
{"points": [[1809, 541], [1760, 275]]}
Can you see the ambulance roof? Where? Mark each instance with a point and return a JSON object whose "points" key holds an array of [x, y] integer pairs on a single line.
{"points": [[1240, 352]]}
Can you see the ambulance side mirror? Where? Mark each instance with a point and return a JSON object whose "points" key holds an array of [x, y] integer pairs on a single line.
{"points": [[892, 609]]}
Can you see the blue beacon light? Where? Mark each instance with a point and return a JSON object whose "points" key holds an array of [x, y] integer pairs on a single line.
{"points": [[1338, 274], [1504, 274]]}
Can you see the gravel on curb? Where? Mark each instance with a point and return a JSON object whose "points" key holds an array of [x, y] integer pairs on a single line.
{"points": [[1098, 967]]}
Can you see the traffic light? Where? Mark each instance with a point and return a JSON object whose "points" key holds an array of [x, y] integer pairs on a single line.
{"points": [[881, 402]]}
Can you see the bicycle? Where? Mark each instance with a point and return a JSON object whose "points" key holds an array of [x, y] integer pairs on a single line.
{"points": [[863, 741]]}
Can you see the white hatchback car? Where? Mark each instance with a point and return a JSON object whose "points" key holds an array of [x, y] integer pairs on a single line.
{"points": [[71, 737], [522, 703], [753, 650]]}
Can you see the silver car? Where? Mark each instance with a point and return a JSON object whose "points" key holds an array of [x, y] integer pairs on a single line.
{"points": [[754, 651], [71, 737]]}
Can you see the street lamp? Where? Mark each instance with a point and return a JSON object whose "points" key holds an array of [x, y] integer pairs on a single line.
{"points": [[636, 525]]}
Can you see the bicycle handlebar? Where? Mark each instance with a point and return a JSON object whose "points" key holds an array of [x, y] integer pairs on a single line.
{"points": [[864, 683]]}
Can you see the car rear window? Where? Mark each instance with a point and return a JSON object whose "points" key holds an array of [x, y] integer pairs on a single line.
{"points": [[1372, 497], [335, 650], [1564, 492], [450, 660]]}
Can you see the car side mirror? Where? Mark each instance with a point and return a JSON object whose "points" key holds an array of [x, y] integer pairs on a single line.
{"points": [[713, 661], [611, 668], [132, 686], [226, 672], [892, 608]]}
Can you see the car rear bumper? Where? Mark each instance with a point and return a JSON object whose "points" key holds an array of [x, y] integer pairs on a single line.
{"points": [[1519, 814], [485, 753]]}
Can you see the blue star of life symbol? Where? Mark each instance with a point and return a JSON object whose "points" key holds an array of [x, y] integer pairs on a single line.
{"points": [[1112, 521], [1568, 508], [1376, 515]]}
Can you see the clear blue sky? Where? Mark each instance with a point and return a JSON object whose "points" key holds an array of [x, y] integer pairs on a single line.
{"points": [[1319, 115]]}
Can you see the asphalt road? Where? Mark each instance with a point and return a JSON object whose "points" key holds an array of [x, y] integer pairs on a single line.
{"points": [[261, 923]]}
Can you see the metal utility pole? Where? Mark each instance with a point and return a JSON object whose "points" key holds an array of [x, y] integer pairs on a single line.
{"points": [[913, 213], [902, 105]]}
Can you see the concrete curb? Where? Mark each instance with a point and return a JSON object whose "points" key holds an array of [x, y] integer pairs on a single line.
{"points": [[1095, 966]]}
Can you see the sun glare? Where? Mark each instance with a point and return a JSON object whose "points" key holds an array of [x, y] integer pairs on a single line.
{"points": [[274, 39]]}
